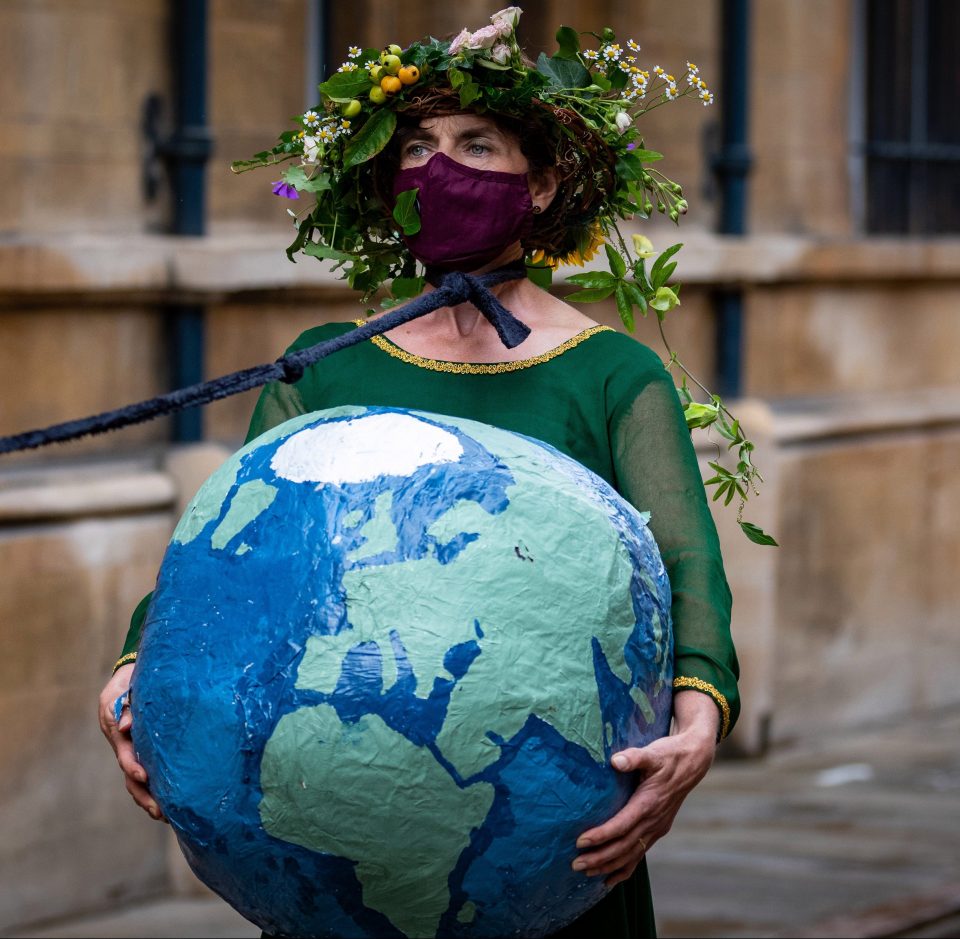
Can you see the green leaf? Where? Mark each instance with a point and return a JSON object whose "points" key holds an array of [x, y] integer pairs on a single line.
{"points": [[344, 86], [541, 275], [661, 261], [405, 212], [591, 296], [469, 92], [757, 535], [624, 308], [593, 279], [617, 265], [663, 275], [489, 63], [303, 232], [636, 297], [403, 288], [563, 73], [456, 77], [618, 79], [297, 177], [569, 42], [601, 81], [721, 489], [326, 253], [646, 156], [370, 139]]}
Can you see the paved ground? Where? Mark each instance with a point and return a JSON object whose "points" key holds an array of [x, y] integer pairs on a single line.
{"points": [[855, 837]]}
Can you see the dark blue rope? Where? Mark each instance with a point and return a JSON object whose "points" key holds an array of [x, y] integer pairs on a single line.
{"points": [[452, 288]]}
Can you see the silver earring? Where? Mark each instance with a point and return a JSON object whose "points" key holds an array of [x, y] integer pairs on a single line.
{"points": [[537, 210]]}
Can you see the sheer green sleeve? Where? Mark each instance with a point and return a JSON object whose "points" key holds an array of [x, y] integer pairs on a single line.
{"points": [[657, 471], [277, 403]]}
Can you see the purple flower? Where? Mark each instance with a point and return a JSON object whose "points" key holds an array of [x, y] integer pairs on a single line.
{"points": [[631, 146], [280, 188]]}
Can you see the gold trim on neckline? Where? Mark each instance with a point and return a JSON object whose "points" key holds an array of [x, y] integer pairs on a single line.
{"points": [[482, 368]]}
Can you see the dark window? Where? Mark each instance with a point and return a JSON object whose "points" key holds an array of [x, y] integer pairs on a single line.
{"points": [[912, 146]]}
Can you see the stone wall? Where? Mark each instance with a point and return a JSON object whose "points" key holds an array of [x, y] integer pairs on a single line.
{"points": [[76, 548]]}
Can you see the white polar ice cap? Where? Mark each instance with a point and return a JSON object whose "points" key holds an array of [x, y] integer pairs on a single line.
{"points": [[362, 449]]}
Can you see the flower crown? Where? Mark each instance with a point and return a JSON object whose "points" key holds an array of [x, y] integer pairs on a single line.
{"points": [[584, 103], [588, 100]]}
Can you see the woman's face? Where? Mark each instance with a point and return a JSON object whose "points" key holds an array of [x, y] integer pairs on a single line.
{"points": [[470, 139]]}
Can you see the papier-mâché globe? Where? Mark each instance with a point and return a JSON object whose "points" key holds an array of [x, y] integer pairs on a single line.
{"points": [[389, 656]]}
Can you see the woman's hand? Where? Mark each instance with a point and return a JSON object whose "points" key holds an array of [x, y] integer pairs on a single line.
{"points": [[671, 767], [118, 736]]}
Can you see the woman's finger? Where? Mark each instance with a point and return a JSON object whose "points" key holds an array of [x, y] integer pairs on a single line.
{"points": [[141, 795], [615, 855], [126, 757]]}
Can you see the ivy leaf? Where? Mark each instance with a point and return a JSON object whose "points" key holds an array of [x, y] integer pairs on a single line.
{"points": [[624, 307], [403, 288], [344, 86], [569, 42], [469, 92], [617, 265], [405, 212], [326, 253], [758, 535], [593, 279], [371, 138], [297, 177], [563, 73], [591, 296]]}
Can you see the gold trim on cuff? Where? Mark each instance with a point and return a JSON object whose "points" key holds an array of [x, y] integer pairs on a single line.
{"points": [[482, 368], [125, 660], [698, 684]]}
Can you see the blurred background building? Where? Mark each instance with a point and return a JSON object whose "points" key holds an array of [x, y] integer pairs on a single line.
{"points": [[821, 275]]}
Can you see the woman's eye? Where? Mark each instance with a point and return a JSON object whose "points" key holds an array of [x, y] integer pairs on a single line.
{"points": [[479, 149], [416, 150]]}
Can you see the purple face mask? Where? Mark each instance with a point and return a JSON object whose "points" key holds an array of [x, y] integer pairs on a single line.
{"points": [[467, 216]]}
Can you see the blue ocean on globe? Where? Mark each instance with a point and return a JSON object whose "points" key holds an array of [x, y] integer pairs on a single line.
{"points": [[388, 658]]}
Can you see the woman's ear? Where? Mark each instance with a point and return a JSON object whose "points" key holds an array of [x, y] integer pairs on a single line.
{"points": [[543, 187]]}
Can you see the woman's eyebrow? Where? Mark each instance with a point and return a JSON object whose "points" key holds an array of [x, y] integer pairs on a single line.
{"points": [[479, 130], [418, 133]]}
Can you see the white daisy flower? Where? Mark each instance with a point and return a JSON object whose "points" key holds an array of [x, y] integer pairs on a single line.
{"points": [[591, 55], [311, 118], [671, 92], [633, 46], [611, 53], [354, 51]]}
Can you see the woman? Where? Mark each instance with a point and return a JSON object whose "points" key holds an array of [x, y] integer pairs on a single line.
{"points": [[589, 391]]}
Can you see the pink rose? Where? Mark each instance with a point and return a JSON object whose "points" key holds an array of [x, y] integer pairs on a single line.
{"points": [[500, 53], [506, 20], [484, 38], [459, 41]]}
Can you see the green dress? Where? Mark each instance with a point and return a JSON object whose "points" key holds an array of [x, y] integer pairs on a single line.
{"points": [[607, 401]]}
